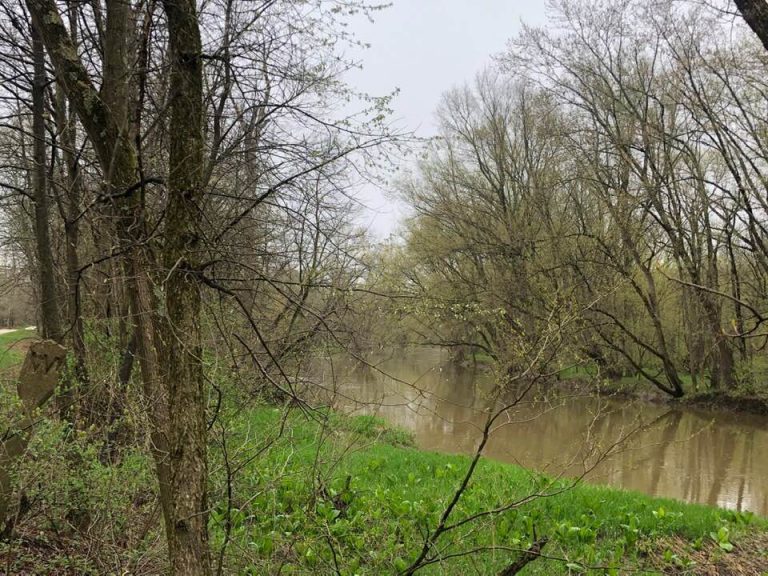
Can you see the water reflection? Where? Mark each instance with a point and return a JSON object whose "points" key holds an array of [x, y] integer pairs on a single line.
{"points": [[719, 459]]}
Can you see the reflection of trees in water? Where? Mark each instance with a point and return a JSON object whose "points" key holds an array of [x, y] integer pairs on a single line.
{"points": [[723, 450], [681, 454], [694, 458], [453, 396], [671, 426], [746, 465], [652, 462], [419, 391]]}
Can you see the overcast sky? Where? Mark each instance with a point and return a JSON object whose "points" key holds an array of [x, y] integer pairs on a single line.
{"points": [[424, 47]]}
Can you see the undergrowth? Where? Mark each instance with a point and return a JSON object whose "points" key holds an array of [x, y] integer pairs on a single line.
{"points": [[335, 502], [323, 493]]}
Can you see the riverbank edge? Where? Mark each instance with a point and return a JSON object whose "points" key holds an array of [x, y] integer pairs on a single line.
{"points": [[723, 401], [735, 402], [713, 401], [588, 524], [360, 482]]}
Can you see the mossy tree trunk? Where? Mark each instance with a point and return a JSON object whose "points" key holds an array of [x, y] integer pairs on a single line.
{"points": [[104, 115], [189, 548]]}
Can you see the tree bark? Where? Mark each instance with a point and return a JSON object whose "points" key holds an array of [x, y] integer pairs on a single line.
{"points": [[66, 121], [533, 552], [175, 393], [104, 116], [50, 325], [183, 347], [755, 14]]}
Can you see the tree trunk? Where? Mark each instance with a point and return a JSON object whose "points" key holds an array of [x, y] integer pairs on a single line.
{"points": [[755, 14], [183, 348], [66, 121], [722, 370], [175, 393], [69, 207], [49, 307], [104, 116]]}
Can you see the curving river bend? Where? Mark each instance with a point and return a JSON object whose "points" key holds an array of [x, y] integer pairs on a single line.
{"points": [[695, 456]]}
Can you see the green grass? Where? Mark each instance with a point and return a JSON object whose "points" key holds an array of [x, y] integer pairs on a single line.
{"points": [[579, 372], [337, 495], [11, 355], [333, 494], [348, 493]]}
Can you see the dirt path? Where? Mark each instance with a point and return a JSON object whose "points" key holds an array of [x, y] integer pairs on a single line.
{"points": [[9, 330]]}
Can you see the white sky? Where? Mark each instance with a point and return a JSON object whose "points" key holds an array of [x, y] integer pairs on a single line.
{"points": [[424, 47]]}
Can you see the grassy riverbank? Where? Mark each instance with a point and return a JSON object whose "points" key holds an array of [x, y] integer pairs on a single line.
{"points": [[368, 512], [321, 493], [337, 495]]}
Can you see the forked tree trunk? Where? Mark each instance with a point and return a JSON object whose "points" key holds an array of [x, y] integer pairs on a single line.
{"points": [[175, 394]]}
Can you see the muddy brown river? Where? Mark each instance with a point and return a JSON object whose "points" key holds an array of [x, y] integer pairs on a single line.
{"points": [[695, 456]]}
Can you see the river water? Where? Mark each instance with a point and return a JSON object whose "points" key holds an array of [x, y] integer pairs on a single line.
{"points": [[712, 458]]}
